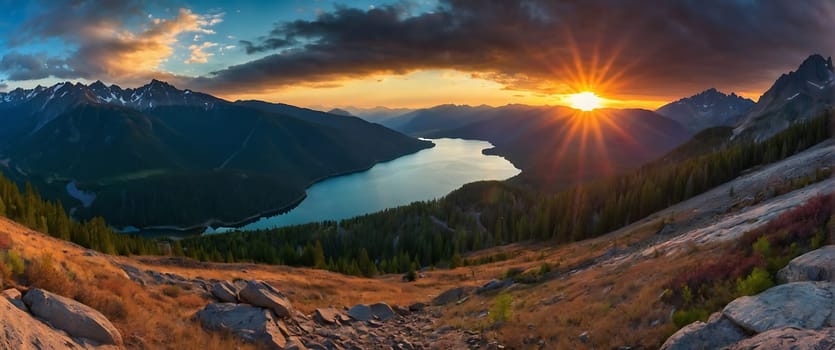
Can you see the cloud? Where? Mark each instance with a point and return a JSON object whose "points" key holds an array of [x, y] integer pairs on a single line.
{"points": [[198, 55], [104, 48], [34, 66], [548, 46], [3, 86]]}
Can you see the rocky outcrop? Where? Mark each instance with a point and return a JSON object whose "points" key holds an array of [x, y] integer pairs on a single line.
{"points": [[494, 285], [363, 326], [797, 315], [806, 305], [14, 297], [451, 296], [21, 331], [250, 323], [817, 265], [718, 332], [789, 338], [260, 293], [328, 316], [225, 292], [77, 319]]}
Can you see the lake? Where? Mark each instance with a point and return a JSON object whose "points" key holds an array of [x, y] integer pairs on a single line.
{"points": [[428, 174]]}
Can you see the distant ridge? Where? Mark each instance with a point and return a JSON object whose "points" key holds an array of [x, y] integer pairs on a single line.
{"points": [[707, 109], [160, 156]]}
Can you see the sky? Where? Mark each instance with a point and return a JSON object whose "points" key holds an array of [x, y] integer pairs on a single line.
{"points": [[417, 53]]}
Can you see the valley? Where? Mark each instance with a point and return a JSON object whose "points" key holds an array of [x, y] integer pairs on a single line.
{"points": [[417, 175]]}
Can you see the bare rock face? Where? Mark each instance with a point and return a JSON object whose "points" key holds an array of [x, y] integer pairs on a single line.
{"points": [[715, 334], [225, 291], [806, 305], [382, 311], [250, 323], [451, 296], [14, 297], [789, 338], [21, 331], [326, 315], [77, 319], [361, 313], [817, 265], [262, 294]]}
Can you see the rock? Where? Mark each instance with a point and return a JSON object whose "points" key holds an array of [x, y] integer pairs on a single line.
{"points": [[21, 331], [715, 334], [251, 324], [360, 313], [225, 292], [584, 337], [294, 344], [805, 305], [789, 338], [13, 296], [450, 296], [417, 307], [75, 318], [261, 294], [402, 311], [817, 265], [327, 316], [494, 285], [382, 311]]}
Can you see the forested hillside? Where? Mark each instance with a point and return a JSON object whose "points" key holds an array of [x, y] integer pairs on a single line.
{"points": [[489, 214]]}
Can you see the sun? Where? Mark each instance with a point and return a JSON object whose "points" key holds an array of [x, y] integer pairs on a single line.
{"points": [[585, 101]]}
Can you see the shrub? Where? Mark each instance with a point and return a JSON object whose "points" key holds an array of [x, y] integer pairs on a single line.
{"points": [[501, 311], [14, 261], [172, 291], [43, 273], [410, 276], [682, 318], [544, 268], [758, 281]]}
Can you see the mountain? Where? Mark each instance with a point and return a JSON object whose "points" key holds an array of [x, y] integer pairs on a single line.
{"points": [[796, 96], [337, 111], [377, 114], [157, 155], [707, 109], [558, 146], [424, 122]]}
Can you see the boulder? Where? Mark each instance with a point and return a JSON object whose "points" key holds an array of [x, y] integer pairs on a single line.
{"points": [[805, 305], [327, 315], [294, 344], [251, 324], [382, 311], [21, 331], [360, 313], [494, 285], [225, 291], [450, 296], [416, 307], [14, 296], [715, 334], [789, 338], [75, 318], [262, 294], [817, 265]]}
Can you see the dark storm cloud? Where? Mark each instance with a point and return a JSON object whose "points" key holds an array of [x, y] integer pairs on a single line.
{"points": [[651, 48], [34, 66]]}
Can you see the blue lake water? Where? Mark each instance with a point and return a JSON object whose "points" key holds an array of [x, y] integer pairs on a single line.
{"points": [[425, 175]]}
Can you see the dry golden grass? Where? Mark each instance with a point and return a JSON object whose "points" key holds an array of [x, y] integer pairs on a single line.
{"points": [[617, 305]]}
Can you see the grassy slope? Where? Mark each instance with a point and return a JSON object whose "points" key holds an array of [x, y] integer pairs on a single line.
{"points": [[609, 286]]}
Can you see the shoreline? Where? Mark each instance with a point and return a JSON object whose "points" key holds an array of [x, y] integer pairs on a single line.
{"points": [[215, 223]]}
